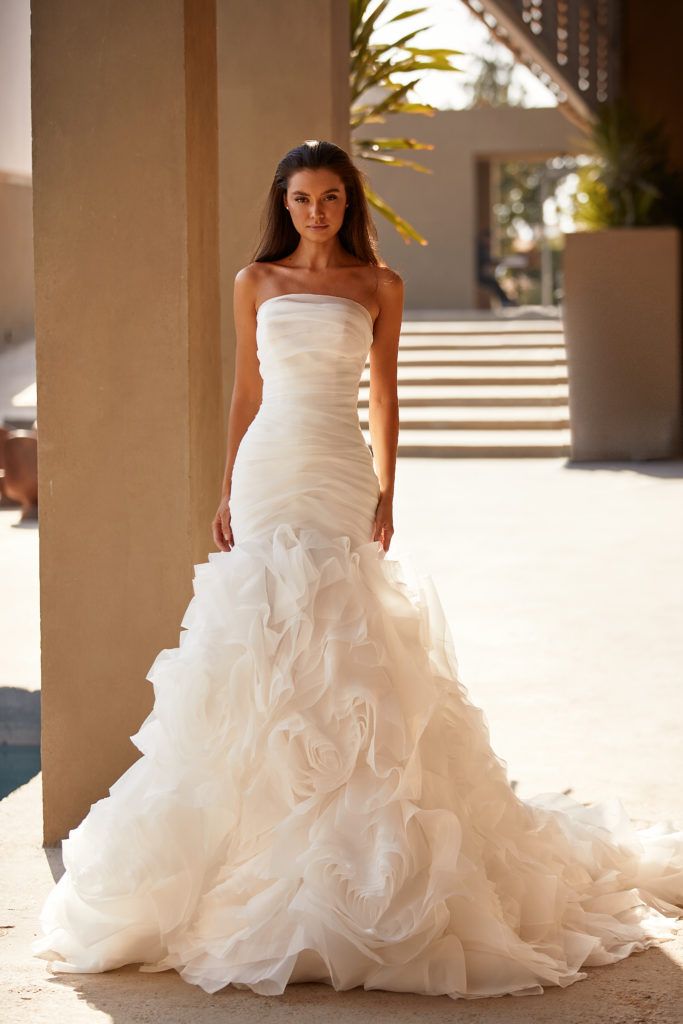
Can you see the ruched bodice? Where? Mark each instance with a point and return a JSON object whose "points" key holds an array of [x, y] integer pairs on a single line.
{"points": [[312, 349], [304, 460]]}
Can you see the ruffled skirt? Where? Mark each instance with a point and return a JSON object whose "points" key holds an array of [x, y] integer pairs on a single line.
{"points": [[317, 799]]}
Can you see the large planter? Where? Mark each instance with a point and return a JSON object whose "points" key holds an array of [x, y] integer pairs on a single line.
{"points": [[622, 320]]}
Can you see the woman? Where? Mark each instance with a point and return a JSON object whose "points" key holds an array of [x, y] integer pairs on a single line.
{"points": [[317, 797]]}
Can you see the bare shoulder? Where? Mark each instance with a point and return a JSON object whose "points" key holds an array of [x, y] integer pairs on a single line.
{"points": [[388, 277], [249, 277], [390, 290], [248, 285]]}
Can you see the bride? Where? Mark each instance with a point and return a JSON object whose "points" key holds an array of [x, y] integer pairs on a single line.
{"points": [[317, 798]]}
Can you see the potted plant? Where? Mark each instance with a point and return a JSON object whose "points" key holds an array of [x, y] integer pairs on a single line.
{"points": [[622, 294]]}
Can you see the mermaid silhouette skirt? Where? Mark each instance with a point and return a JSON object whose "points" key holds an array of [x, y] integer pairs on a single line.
{"points": [[316, 796]]}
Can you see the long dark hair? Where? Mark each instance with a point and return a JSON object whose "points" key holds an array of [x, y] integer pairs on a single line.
{"points": [[279, 237]]}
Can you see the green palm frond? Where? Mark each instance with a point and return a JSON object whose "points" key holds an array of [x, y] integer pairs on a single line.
{"points": [[372, 66], [406, 230]]}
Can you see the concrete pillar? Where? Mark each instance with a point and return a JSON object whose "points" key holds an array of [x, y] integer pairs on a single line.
{"points": [[128, 364], [131, 343]]}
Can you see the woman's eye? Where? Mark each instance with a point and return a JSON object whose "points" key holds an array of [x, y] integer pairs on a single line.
{"points": [[302, 199]]}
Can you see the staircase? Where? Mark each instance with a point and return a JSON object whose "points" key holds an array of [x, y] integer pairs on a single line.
{"points": [[480, 388]]}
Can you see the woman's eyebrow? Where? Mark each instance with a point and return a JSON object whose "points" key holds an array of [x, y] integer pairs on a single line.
{"points": [[298, 192]]}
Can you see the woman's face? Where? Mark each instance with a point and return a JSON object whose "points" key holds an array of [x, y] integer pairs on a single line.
{"points": [[316, 201]]}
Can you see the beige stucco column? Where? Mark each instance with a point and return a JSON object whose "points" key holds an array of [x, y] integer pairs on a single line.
{"points": [[128, 362], [134, 363]]}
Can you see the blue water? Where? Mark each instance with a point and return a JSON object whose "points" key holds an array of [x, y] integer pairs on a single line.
{"points": [[17, 766]]}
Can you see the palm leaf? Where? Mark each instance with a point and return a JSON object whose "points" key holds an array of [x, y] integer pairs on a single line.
{"points": [[373, 65], [406, 230]]}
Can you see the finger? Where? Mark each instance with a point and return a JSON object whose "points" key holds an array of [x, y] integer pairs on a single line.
{"points": [[219, 534]]}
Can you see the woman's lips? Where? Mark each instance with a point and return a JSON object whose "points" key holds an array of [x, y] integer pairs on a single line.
{"points": [[317, 227]]}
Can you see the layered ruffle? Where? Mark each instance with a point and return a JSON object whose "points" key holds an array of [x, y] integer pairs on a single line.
{"points": [[317, 799]]}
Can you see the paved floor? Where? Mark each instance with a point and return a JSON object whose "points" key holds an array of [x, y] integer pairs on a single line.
{"points": [[563, 588]]}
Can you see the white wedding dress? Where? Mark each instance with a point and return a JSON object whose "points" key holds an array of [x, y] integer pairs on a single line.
{"points": [[317, 797]]}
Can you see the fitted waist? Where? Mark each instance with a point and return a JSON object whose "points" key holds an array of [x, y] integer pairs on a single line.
{"points": [[325, 407], [307, 429], [320, 396]]}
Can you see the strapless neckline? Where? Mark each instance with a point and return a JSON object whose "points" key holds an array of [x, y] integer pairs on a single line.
{"points": [[320, 295]]}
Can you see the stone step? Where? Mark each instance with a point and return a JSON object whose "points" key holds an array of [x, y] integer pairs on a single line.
{"points": [[425, 394], [448, 343], [455, 375], [541, 356], [480, 389], [482, 443], [474, 328], [459, 418]]}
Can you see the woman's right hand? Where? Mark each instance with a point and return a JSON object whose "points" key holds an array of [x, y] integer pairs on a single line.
{"points": [[221, 526]]}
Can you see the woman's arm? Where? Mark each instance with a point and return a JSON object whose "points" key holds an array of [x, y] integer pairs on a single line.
{"points": [[247, 391], [383, 412]]}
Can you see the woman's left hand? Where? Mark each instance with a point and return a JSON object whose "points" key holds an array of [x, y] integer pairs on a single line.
{"points": [[384, 520]]}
